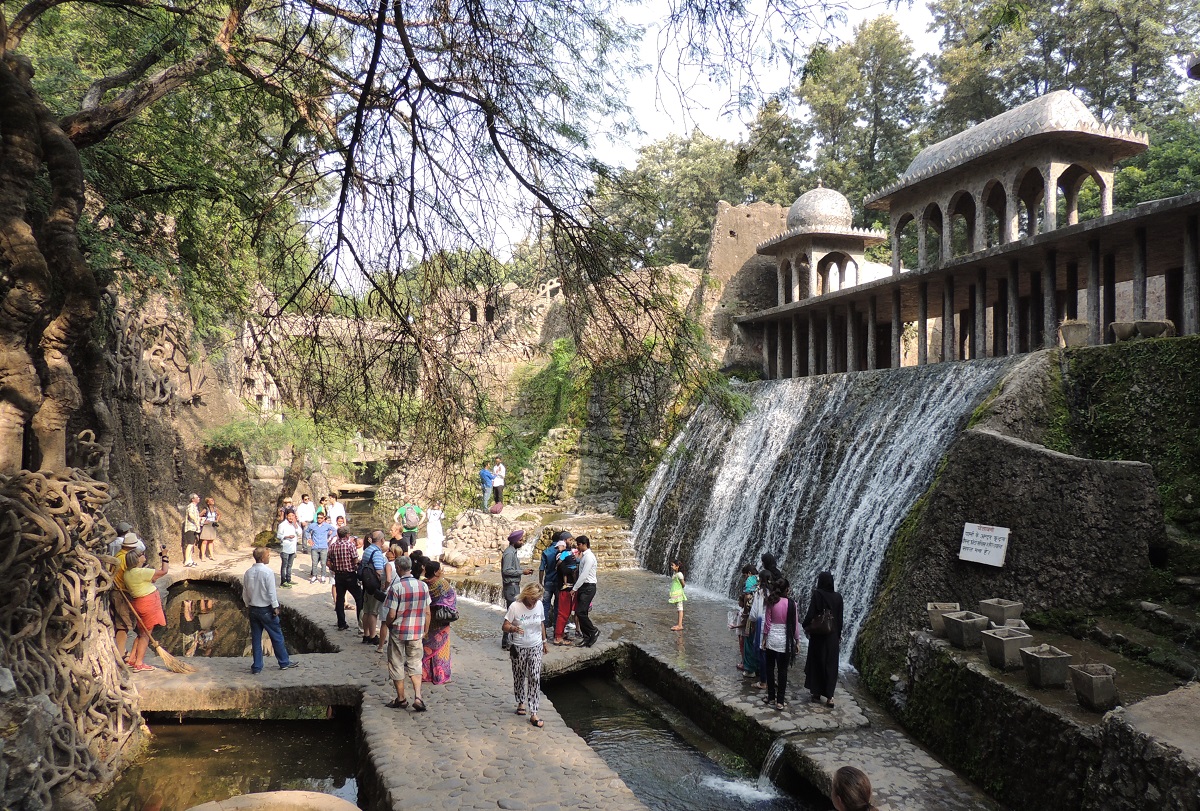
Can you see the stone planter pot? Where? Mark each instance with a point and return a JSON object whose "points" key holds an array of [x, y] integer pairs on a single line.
{"points": [[1095, 686], [964, 629], [1156, 329], [1124, 330], [1001, 611], [1045, 666], [936, 612], [1016, 625], [1003, 647], [1075, 333]]}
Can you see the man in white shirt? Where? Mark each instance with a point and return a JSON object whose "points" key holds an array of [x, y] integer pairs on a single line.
{"points": [[306, 511], [335, 510], [498, 471], [262, 603], [288, 534], [585, 592]]}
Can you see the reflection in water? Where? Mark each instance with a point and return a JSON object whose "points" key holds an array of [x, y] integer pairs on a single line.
{"points": [[201, 761], [666, 771], [208, 619]]}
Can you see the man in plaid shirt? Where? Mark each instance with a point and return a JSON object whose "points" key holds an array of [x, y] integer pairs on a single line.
{"points": [[406, 611], [343, 554]]}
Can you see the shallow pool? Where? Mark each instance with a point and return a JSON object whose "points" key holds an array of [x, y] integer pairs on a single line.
{"points": [[202, 761], [209, 619]]}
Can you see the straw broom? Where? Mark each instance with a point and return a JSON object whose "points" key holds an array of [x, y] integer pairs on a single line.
{"points": [[172, 664]]}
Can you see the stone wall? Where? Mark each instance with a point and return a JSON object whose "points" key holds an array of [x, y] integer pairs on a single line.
{"points": [[1080, 533]]}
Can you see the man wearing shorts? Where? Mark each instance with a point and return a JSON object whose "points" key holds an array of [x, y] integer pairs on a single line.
{"points": [[191, 529], [373, 557], [406, 611]]}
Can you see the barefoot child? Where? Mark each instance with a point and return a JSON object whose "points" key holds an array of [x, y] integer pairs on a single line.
{"points": [[677, 596]]}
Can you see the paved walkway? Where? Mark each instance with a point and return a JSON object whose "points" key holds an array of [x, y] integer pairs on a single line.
{"points": [[481, 755]]}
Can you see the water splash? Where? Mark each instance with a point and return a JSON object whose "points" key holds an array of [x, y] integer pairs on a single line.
{"points": [[767, 773], [820, 473]]}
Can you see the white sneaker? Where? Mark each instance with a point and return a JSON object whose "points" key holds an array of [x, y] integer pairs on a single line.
{"points": [[312, 580]]}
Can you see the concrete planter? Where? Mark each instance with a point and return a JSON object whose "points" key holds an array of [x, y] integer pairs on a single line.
{"points": [[1001, 611], [1124, 330], [1156, 329], [1045, 666], [1016, 625], [965, 629], [1003, 647], [1075, 333], [936, 612], [1095, 686]]}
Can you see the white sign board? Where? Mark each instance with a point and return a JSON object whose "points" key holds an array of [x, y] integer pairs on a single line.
{"points": [[984, 544]]}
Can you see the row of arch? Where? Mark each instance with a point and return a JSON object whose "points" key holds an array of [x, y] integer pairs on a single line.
{"points": [[836, 270], [998, 213]]}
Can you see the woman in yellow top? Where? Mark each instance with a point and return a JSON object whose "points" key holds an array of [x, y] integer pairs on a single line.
{"points": [[139, 585], [677, 598]]}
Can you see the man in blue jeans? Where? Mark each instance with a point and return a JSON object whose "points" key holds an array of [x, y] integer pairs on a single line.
{"points": [[262, 602]]}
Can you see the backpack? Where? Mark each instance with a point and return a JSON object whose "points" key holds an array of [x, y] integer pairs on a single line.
{"points": [[411, 519], [369, 576]]}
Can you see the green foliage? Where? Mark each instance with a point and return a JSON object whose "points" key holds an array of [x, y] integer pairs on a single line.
{"points": [[262, 436], [1170, 167]]}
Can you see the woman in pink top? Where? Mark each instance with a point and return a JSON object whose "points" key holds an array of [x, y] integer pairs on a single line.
{"points": [[781, 630]]}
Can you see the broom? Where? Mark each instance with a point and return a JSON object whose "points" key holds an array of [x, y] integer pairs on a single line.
{"points": [[172, 664]]}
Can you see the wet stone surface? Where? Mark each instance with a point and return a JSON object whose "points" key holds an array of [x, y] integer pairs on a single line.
{"points": [[476, 753]]}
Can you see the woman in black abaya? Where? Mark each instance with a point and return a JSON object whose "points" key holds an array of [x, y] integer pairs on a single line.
{"points": [[821, 666]]}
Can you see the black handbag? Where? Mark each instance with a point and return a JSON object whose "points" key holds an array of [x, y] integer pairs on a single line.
{"points": [[445, 614], [821, 624]]}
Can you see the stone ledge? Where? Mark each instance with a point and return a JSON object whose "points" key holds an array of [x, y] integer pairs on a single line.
{"points": [[279, 801]]}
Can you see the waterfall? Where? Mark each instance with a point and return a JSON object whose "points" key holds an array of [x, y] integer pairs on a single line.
{"points": [[820, 473], [766, 775]]}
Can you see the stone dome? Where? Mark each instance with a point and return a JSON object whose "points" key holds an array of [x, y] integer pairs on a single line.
{"points": [[820, 209]]}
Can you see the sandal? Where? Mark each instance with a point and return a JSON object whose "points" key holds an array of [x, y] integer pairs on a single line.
{"points": [[537, 722], [396, 704], [143, 668], [521, 710], [829, 703], [418, 705], [781, 706], [741, 667]]}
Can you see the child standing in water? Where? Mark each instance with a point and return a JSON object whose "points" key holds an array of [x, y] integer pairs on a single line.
{"points": [[678, 598]]}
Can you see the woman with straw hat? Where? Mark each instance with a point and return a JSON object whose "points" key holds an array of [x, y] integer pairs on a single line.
{"points": [[147, 605]]}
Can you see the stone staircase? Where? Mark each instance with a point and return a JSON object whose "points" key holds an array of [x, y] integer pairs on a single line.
{"points": [[611, 537]]}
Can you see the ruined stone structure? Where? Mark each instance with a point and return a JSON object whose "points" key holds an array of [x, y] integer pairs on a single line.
{"points": [[998, 241]]}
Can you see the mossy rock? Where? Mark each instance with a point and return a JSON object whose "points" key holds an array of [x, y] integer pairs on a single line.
{"points": [[264, 538]]}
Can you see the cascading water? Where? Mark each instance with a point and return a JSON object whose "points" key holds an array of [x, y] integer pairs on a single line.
{"points": [[820, 473]]}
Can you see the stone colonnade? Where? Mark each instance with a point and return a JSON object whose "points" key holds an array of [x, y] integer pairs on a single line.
{"points": [[988, 308]]}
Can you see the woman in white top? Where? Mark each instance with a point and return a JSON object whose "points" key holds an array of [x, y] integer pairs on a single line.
{"points": [[498, 473], [433, 531], [525, 621]]}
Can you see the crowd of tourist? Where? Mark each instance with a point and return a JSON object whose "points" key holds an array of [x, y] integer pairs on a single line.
{"points": [[769, 627]]}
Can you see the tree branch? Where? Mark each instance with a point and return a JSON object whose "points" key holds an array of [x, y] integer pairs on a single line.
{"points": [[95, 93]]}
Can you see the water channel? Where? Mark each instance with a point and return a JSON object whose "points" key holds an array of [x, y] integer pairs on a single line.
{"points": [[668, 762], [195, 762]]}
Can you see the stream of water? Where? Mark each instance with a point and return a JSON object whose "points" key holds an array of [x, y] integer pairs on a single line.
{"points": [[820, 473]]}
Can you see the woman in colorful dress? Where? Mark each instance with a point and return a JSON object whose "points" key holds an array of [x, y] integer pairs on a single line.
{"points": [[147, 605], [435, 664]]}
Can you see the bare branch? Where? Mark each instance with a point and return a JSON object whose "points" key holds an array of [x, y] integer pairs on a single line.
{"points": [[95, 93]]}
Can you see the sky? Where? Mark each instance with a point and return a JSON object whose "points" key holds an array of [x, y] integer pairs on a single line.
{"points": [[660, 111]]}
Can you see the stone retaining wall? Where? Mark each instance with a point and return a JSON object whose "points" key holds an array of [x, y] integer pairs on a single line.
{"points": [[1030, 756]]}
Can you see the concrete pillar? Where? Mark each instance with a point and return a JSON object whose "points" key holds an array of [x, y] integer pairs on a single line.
{"points": [[1139, 274], [1108, 280], [1014, 307], [1106, 192], [949, 333], [897, 328], [947, 237], [797, 358], [1049, 285], [766, 338], [1191, 277], [980, 348], [922, 323], [871, 316], [782, 356], [980, 224], [851, 338], [779, 278], [922, 249], [795, 280], [895, 248], [812, 343], [1093, 290], [1010, 226], [830, 353], [1050, 203]]}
